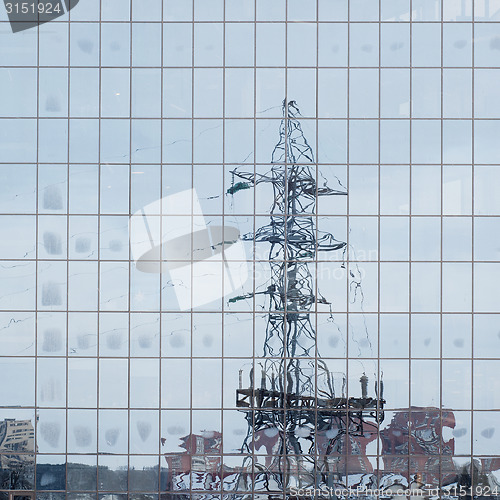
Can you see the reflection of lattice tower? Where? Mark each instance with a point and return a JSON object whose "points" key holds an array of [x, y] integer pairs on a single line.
{"points": [[288, 397], [294, 241]]}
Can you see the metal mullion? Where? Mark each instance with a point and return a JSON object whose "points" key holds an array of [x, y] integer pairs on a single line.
{"points": [[160, 314], [473, 213], [68, 251], [479, 216], [212, 118], [410, 173], [223, 257], [316, 178], [347, 254], [191, 238], [451, 313], [440, 464], [275, 22], [129, 317], [37, 199], [378, 378], [252, 451], [285, 258], [98, 327]]}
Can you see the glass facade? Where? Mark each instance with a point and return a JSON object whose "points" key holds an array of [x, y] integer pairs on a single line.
{"points": [[249, 249]]}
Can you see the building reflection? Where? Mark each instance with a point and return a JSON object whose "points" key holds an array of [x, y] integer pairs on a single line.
{"points": [[17, 459], [413, 442], [411, 445], [198, 467], [413, 453]]}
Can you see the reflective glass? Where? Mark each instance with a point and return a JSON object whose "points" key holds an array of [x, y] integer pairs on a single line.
{"points": [[249, 245]]}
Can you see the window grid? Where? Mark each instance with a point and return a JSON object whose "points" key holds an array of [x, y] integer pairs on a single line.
{"points": [[226, 378]]}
